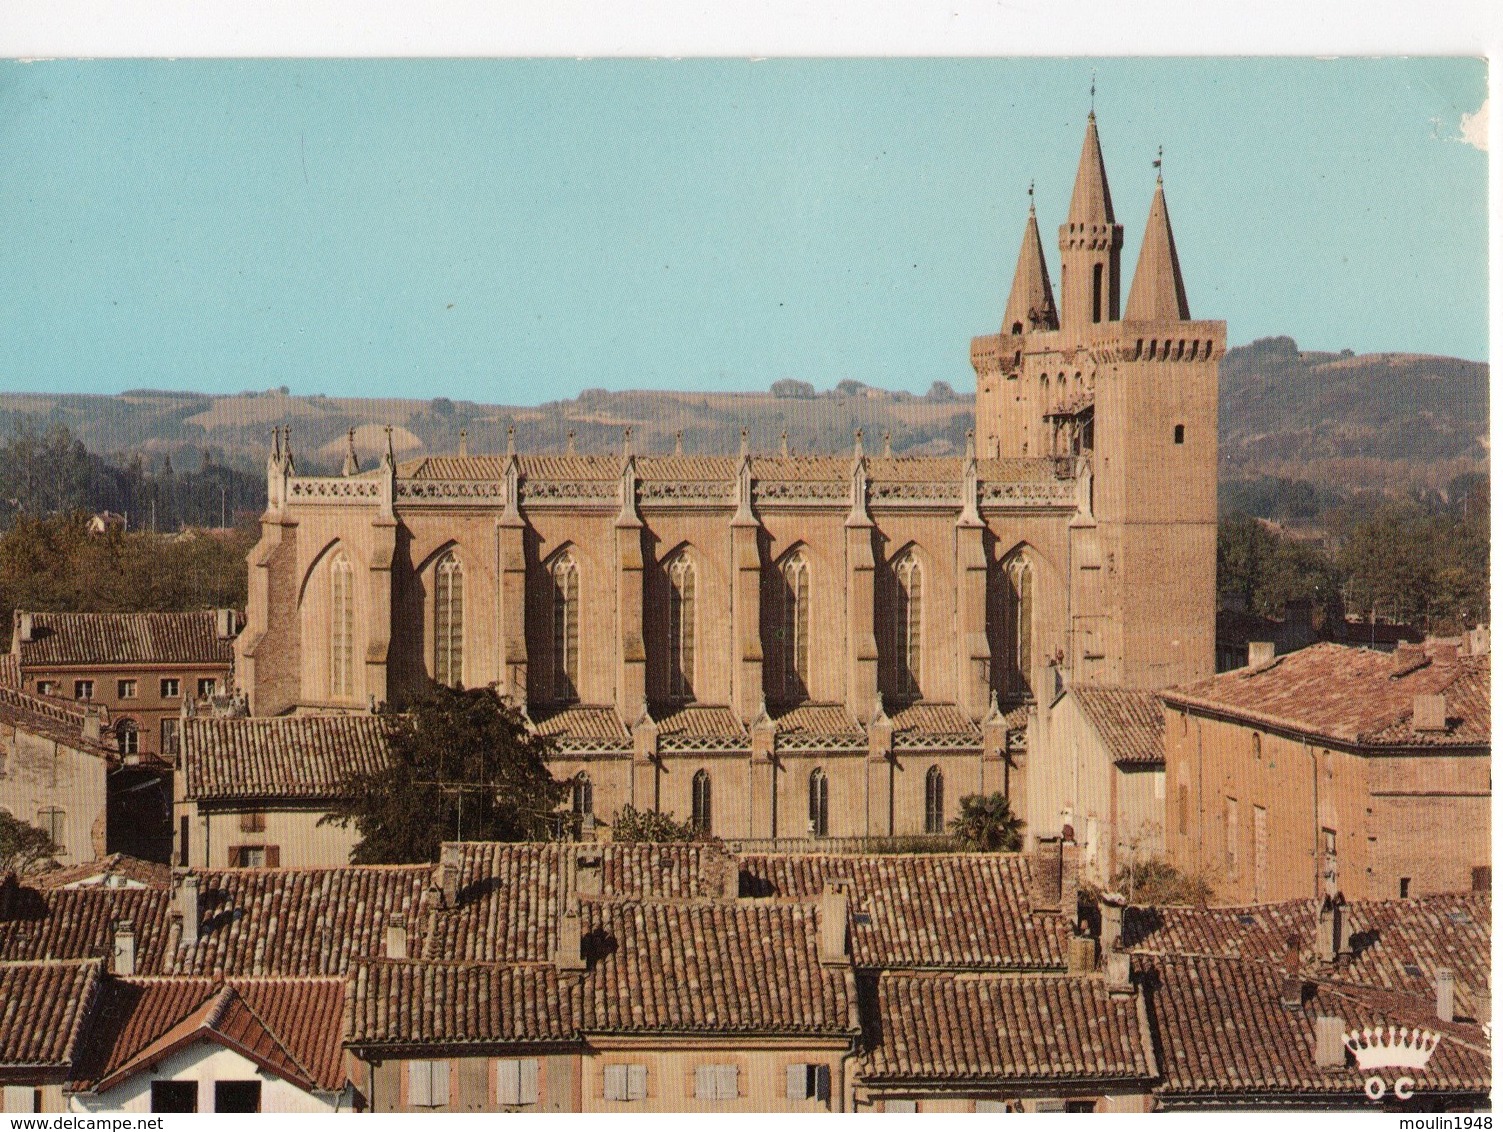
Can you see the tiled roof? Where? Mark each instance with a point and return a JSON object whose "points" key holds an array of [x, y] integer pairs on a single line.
{"points": [[77, 923], [43, 1008], [300, 756], [1006, 1028], [402, 1002], [1352, 695], [815, 719], [722, 967], [10, 670], [290, 1027], [924, 720], [509, 893], [118, 870], [1130, 722], [51, 719], [949, 910], [699, 721], [117, 639], [1223, 1032], [581, 722]]}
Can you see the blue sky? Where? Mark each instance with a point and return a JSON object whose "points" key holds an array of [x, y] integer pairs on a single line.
{"points": [[519, 231]]}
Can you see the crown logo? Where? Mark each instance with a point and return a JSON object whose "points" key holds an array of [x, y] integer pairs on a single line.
{"points": [[1401, 1048]]}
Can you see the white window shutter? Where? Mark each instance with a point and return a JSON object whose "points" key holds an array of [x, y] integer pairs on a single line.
{"points": [[636, 1082], [419, 1083], [727, 1075], [615, 1082], [704, 1083], [508, 1082], [527, 1080], [440, 1087], [798, 1082]]}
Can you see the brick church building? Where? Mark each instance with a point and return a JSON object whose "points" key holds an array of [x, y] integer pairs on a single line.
{"points": [[793, 646]]}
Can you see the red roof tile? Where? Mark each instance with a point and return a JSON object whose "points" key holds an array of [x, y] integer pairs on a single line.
{"points": [[1130, 722], [1352, 695], [53, 719], [300, 756], [118, 639], [43, 1008], [118, 870], [582, 722], [77, 923], [409, 1002], [816, 719]]}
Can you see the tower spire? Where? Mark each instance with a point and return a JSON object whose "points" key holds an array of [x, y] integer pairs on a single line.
{"points": [[1090, 244], [1091, 200], [1030, 304], [1158, 289]]}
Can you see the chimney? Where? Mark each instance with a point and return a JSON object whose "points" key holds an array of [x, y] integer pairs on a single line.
{"points": [[1445, 994], [1343, 930], [1291, 990], [448, 873], [590, 872], [1259, 653], [834, 916], [1325, 931], [569, 955], [27, 633], [1112, 905], [1069, 877], [1080, 955], [1118, 973], [1443, 653], [396, 937], [187, 907], [125, 948], [1330, 1044], [93, 729], [1430, 713], [225, 623], [1044, 875]]}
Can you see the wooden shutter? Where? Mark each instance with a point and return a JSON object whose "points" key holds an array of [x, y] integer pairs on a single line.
{"points": [[704, 1082], [798, 1082], [273, 856], [508, 1082], [726, 1081], [636, 1082], [440, 1083], [615, 1082], [419, 1084], [527, 1080]]}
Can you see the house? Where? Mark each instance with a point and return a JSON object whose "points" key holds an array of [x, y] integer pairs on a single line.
{"points": [[140, 667], [252, 791], [1330, 769], [1103, 779], [44, 1008]]}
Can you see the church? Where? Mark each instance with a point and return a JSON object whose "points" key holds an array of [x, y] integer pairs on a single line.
{"points": [[783, 647]]}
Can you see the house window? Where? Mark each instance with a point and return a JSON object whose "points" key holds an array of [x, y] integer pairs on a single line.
{"points": [[907, 618], [170, 688], [793, 629], [625, 1082], [237, 1096], [1096, 296], [1179, 434], [1080, 1106], [819, 804], [583, 795], [681, 629], [255, 856], [174, 1096], [46, 687], [125, 689], [182, 842], [207, 686], [169, 736], [517, 1081], [448, 621], [1009, 621], [1403, 888], [934, 801], [427, 1084], [53, 822], [715, 1083], [808, 1082], [128, 737], [1257, 745], [341, 627], [83, 689], [565, 629], [252, 821], [1184, 810], [700, 814], [1232, 835]]}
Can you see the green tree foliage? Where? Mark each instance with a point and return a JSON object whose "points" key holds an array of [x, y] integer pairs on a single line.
{"points": [[463, 766], [55, 564], [1261, 571], [1156, 882], [23, 848], [986, 824], [1409, 563], [631, 824]]}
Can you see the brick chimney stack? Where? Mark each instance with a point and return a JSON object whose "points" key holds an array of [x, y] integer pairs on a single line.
{"points": [[1291, 990], [124, 959], [1330, 1045], [1259, 653], [396, 937], [1445, 994], [186, 901], [834, 923], [1430, 712], [448, 873]]}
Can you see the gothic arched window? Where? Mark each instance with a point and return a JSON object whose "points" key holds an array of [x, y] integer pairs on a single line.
{"points": [[934, 801], [565, 629], [907, 626], [341, 627], [583, 795], [1010, 624], [699, 815], [819, 804], [681, 629], [793, 629], [448, 621]]}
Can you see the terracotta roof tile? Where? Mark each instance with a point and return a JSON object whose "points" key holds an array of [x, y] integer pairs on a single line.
{"points": [[118, 870], [946, 910], [931, 719], [816, 719], [1006, 1029], [116, 639], [53, 719], [300, 756], [10, 670], [1130, 722], [699, 721], [1352, 695], [397, 1002], [77, 923], [43, 1009]]}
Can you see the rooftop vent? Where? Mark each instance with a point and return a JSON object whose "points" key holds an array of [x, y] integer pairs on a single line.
{"points": [[1430, 713], [1259, 653]]}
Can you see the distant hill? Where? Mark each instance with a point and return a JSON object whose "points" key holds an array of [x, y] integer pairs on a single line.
{"points": [[1339, 419]]}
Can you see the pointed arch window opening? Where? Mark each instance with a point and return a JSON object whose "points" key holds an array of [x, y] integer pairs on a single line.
{"points": [[1015, 580], [341, 627], [793, 630], [819, 803], [700, 814], [448, 621], [681, 629], [934, 801], [565, 629], [907, 628], [583, 795]]}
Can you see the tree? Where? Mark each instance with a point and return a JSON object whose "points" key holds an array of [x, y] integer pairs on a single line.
{"points": [[632, 824], [462, 765], [23, 848], [986, 824], [792, 387], [1156, 882]]}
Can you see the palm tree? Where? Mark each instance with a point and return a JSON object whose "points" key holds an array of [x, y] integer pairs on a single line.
{"points": [[987, 824]]}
